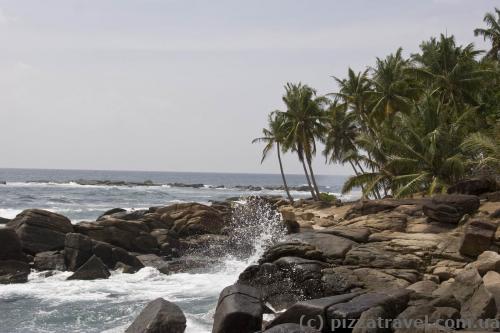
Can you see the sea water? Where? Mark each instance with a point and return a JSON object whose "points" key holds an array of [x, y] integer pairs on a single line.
{"points": [[53, 304]]}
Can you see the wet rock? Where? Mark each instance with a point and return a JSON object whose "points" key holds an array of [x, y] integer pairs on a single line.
{"points": [[314, 309], [77, 250], [40, 230], [111, 212], [330, 245], [291, 249], [239, 310], [130, 235], [451, 208], [477, 237], [159, 316], [121, 255], [11, 248], [151, 260], [13, 271], [475, 186], [93, 269], [49, 261]]}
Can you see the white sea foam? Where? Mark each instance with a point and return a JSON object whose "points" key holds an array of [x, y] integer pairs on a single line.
{"points": [[9, 213]]}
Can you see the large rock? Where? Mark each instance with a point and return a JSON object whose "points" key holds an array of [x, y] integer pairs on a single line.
{"points": [[49, 261], [239, 310], [13, 271], [451, 208], [475, 186], [193, 218], [487, 261], [312, 311], [77, 250], [393, 301], [367, 207], [391, 221], [481, 305], [130, 235], [10, 248], [291, 249], [465, 284], [492, 283], [40, 230], [379, 255], [93, 269], [159, 316], [477, 237], [356, 234], [330, 245]]}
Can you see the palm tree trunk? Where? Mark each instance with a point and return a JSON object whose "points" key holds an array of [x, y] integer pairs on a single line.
{"points": [[308, 180], [313, 179], [357, 173], [283, 174]]}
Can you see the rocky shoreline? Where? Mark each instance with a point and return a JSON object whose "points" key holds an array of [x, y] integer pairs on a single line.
{"points": [[428, 258]]}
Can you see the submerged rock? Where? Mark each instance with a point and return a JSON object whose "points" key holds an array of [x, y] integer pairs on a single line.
{"points": [[40, 230], [159, 316], [93, 269]]}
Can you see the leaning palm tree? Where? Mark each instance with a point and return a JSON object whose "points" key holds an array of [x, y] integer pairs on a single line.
{"points": [[492, 33], [302, 124], [272, 137]]}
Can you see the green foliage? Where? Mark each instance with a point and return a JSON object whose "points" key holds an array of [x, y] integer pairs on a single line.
{"points": [[406, 126], [327, 197]]}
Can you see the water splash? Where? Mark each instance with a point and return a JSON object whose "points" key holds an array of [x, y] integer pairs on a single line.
{"points": [[255, 225]]}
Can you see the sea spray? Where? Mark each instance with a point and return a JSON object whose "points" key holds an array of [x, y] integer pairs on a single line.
{"points": [[255, 225]]}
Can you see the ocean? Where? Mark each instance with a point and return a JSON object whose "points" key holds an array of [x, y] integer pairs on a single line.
{"points": [[52, 304]]}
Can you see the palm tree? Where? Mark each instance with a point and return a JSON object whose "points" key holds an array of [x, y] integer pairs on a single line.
{"points": [[451, 71], [302, 124], [492, 33], [393, 89], [272, 137], [484, 150]]}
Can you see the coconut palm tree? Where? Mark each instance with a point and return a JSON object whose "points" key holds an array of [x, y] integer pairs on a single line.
{"points": [[450, 71], [393, 89], [492, 33], [272, 137], [302, 125]]}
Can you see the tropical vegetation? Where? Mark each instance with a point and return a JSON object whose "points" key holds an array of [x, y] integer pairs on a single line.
{"points": [[406, 125]]}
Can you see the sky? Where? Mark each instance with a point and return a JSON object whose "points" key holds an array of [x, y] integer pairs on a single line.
{"points": [[186, 85]]}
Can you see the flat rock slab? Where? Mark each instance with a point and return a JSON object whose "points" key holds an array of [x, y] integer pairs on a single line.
{"points": [[332, 246], [359, 235]]}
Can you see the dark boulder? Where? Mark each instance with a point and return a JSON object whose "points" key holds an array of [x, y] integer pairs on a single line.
{"points": [[111, 212], [477, 237], [239, 310], [10, 248], [40, 230], [291, 328], [159, 316], [49, 261], [77, 250], [3, 220], [13, 271], [130, 235], [93, 269], [121, 255], [450, 208], [292, 249], [495, 214], [393, 301], [312, 311], [475, 186]]}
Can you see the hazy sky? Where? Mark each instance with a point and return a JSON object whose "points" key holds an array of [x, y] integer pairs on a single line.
{"points": [[186, 85]]}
